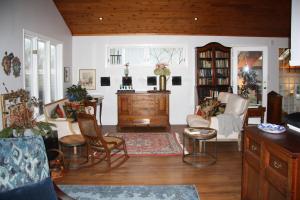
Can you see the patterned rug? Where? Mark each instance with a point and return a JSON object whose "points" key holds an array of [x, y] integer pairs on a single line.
{"points": [[162, 192], [151, 144]]}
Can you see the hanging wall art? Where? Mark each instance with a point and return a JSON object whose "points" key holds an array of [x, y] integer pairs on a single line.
{"points": [[9, 62], [6, 63]]}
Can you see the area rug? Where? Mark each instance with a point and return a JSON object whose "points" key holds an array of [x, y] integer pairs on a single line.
{"points": [[151, 144], [161, 192]]}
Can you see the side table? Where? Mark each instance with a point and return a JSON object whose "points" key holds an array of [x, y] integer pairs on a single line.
{"points": [[204, 156], [75, 150]]}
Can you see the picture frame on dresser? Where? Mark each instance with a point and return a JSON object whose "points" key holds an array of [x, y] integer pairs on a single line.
{"points": [[87, 78]]}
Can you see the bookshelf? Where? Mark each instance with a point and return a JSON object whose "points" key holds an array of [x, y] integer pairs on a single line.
{"points": [[212, 70]]}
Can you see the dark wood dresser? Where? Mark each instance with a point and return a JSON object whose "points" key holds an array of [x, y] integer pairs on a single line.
{"points": [[143, 109], [271, 165]]}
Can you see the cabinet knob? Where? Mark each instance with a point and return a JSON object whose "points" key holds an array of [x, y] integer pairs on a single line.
{"points": [[277, 164], [253, 147]]}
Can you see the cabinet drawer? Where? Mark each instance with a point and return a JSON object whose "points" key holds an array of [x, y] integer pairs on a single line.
{"points": [[276, 170], [278, 165]]}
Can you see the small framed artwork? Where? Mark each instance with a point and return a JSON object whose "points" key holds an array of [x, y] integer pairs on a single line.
{"points": [[105, 81], [67, 74], [126, 80], [87, 78], [176, 80], [151, 80]]}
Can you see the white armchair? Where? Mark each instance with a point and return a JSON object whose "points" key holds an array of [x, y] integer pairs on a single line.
{"points": [[236, 107], [64, 126]]}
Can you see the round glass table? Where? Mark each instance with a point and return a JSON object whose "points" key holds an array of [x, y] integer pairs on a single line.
{"points": [[201, 149]]}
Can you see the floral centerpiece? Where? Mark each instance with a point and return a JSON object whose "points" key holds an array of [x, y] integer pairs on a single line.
{"points": [[22, 118], [162, 71]]}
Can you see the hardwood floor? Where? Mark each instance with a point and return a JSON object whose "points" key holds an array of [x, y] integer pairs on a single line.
{"points": [[221, 181]]}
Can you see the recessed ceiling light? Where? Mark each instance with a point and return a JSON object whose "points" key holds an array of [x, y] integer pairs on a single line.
{"points": [[195, 18], [100, 18]]}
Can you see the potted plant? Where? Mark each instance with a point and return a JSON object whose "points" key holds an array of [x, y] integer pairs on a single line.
{"points": [[76, 93]]}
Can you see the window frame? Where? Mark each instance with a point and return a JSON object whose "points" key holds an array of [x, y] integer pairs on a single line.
{"points": [[35, 37], [146, 47]]}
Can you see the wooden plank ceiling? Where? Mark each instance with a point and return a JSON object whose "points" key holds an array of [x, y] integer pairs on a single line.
{"points": [[214, 17]]}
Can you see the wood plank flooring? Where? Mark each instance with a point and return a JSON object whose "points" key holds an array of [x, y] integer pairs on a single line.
{"points": [[221, 181]]}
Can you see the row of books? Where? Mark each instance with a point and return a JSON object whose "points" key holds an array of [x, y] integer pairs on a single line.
{"points": [[204, 81], [205, 54], [222, 81], [209, 54], [222, 72], [205, 72], [222, 63], [221, 54], [208, 81], [205, 64]]}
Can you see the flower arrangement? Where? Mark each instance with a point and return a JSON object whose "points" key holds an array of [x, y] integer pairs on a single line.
{"points": [[162, 69], [22, 117]]}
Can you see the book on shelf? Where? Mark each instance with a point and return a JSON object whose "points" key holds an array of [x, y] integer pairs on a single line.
{"points": [[205, 54], [221, 54], [205, 64]]}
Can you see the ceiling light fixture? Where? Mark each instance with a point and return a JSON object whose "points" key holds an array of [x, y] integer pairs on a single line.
{"points": [[100, 18], [195, 18]]}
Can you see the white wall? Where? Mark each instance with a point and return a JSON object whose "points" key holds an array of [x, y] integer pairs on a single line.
{"points": [[295, 31], [90, 52], [39, 16]]}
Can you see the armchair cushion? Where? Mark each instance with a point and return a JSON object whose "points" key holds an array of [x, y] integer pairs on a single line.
{"points": [[236, 105], [197, 121], [36, 191], [223, 97]]}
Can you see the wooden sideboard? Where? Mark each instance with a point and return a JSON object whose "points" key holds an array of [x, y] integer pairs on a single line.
{"points": [[271, 165], [143, 109]]}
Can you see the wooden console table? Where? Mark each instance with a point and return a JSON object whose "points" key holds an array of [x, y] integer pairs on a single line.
{"points": [[143, 109]]}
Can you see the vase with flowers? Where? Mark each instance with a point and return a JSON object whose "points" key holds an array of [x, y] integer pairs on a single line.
{"points": [[162, 71], [22, 118]]}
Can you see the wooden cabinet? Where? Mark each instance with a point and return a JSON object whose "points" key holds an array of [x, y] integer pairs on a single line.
{"points": [[271, 165], [143, 109], [212, 69]]}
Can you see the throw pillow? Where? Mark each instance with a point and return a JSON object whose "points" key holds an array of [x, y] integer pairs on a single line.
{"points": [[36, 191], [208, 108], [57, 112]]}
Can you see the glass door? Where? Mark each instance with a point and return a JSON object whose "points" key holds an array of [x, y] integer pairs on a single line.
{"points": [[250, 74]]}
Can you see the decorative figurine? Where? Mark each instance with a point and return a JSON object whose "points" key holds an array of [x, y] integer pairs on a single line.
{"points": [[126, 70]]}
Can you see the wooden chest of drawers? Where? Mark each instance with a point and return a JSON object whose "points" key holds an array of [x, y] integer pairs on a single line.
{"points": [[271, 165], [143, 109]]}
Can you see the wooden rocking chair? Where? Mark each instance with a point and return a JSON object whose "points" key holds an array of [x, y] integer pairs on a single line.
{"points": [[101, 147]]}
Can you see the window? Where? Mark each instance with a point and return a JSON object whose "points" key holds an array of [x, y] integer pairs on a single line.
{"points": [[147, 55], [42, 63]]}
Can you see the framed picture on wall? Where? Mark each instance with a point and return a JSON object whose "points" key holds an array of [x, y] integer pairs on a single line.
{"points": [[67, 74], [87, 78]]}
